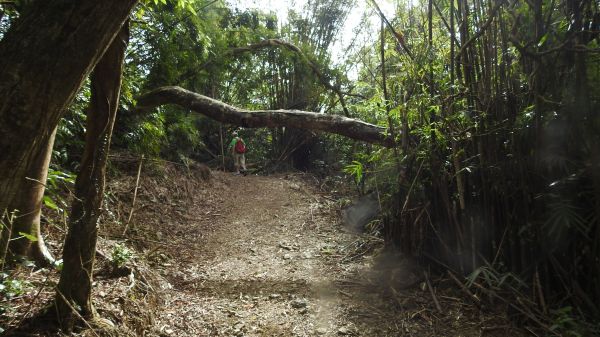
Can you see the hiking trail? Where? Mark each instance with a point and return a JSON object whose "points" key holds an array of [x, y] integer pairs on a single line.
{"points": [[268, 256], [260, 256]]}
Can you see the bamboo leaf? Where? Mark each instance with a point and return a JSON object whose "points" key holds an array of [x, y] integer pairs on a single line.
{"points": [[49, 203], [542, 40]]}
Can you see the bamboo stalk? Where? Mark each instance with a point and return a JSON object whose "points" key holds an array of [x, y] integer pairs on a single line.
{"points": [[540, 291], [386, 102], [435, 300]]}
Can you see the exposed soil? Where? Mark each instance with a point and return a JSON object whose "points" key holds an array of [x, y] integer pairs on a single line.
{"points": [[258, 256]]}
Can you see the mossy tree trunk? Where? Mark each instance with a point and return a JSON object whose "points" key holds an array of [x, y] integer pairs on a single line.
{"points": [[75, 285]]}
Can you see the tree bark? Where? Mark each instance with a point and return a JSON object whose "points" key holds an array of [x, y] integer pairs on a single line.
{"points": [[29, 206], [75, 285], [44, 58], [225, 113]]}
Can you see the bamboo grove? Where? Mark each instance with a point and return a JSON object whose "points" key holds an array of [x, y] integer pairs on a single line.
{"points": [[498, 179]]}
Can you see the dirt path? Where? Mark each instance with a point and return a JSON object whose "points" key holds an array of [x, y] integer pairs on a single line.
{"points": [[252, 256], [270, 267]]}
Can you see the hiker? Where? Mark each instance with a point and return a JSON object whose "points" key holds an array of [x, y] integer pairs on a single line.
{"points": [[238, 149]]}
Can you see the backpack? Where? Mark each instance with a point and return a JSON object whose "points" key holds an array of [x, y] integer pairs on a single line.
{"points": [[239, 146]]}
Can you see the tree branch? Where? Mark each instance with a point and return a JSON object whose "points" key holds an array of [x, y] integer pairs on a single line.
{"points": [[225, 113]]}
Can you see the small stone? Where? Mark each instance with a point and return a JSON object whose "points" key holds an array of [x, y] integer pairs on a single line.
{"points": [[287, 257], [321, 331], [274, 296], [344, 331], [299, 304], [104, 323], [230, 313]]}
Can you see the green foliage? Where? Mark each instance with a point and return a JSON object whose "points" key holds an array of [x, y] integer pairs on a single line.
{"points": [[183, 137], [356, 170], [57, 182], [11, 287], [187, 5], [121, 255], [28, 236], [70, 133], [564, 215], [494, 280], [57, 179], [143, 136], [567, 323]]}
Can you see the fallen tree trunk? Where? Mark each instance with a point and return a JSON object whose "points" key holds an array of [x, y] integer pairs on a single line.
{"points": [[225, 113]]}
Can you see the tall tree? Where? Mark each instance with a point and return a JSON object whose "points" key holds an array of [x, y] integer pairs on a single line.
{"points": [[75, 285]]}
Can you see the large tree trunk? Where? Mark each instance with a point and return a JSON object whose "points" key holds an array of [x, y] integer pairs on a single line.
{"points": [[222, 112], [44, 58], [75, 285], [29, 205]]}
